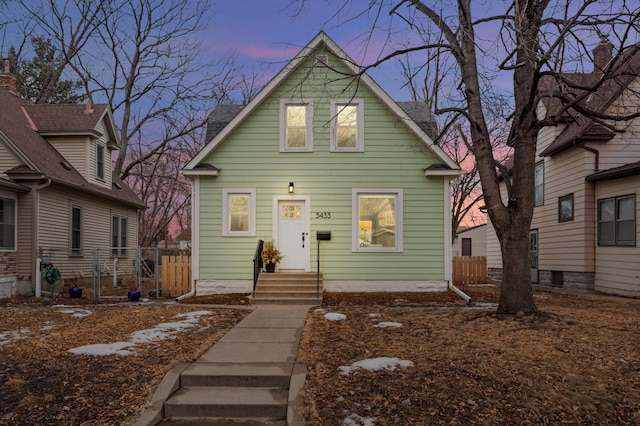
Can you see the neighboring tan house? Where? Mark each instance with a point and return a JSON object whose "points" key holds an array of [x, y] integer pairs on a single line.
{"points": [[316, 150], [585, 231], [56, 185], [471, 241]]}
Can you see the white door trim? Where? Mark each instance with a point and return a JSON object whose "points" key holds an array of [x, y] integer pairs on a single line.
{"points": [[307, 222]]}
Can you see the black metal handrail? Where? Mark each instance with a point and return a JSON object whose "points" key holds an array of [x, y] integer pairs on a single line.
{"points": [[257, 265]]}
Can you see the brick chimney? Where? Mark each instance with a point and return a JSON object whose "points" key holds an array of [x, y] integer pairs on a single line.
{"points": [[602, 54], [8, 81]]}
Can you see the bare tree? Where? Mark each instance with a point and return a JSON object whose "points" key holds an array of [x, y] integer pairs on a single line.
{"points": [[68, 26], [532, 43], [144, 58]]}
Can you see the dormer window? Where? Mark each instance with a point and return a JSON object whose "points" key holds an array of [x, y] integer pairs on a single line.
{"points": [[100, 161]]}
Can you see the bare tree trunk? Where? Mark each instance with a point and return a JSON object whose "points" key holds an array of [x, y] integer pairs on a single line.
{"points": [[516, 294]]}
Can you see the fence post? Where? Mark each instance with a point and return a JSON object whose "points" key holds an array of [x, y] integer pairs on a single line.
{"points": [[156, 271]]}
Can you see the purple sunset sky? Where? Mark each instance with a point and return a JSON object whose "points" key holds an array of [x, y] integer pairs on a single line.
{"points": [[265, 33]]}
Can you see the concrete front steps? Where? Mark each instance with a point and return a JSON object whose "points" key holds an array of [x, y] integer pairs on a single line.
{"points": [[288, 288], [249, 377], [221, 393]]}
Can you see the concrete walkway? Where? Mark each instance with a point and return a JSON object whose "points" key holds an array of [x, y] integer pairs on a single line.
{"points": [[259, 349]]}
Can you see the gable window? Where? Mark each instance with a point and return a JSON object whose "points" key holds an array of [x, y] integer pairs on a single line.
{"points": [[565, 208], [100, 161], [347, 125], [7, 224], [617, 221], [296, 130], [539, 184], [76, 230], [239, 212], [377, 220], [118, 235]]}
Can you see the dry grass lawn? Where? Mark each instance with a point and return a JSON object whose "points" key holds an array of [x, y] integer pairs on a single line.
{"points": [[578, 362]]}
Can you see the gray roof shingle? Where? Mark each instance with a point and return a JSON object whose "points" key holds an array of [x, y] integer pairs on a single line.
{"points": [[17, 122]]}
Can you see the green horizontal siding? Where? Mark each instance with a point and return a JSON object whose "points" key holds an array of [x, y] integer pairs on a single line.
{"points": [[393, 158]]}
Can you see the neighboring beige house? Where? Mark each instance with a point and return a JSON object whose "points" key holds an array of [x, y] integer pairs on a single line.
{"points": [[471, 241], [56, 185], [585, 232]]}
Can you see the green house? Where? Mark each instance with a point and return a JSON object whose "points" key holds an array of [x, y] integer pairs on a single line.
{"points": [[321, 151]]}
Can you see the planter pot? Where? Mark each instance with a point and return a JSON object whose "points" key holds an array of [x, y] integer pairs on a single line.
{"points": [[270, 267], [133, 296], [75, 292]]}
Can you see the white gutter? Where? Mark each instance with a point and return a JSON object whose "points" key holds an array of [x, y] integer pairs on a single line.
{"points": [[459, 292], [35, 237], [195, 239], [448, 259]]}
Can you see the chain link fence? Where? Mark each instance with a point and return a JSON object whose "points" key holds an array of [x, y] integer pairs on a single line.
{"points": [[104, 272]]}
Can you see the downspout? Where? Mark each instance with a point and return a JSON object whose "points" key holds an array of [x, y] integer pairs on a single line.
{"points": [[459, 292], [594, 151], [195, 240], [447, 242], [35, 237]]}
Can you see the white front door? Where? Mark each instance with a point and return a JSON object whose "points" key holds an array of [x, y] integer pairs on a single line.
{"points": [[293, 234]]}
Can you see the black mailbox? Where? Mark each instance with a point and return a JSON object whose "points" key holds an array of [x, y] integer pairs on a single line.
{"points": [[323, 235]]}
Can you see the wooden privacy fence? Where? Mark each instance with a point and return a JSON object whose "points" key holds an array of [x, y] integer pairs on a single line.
{"points": [[175, 275], [469, 270]]}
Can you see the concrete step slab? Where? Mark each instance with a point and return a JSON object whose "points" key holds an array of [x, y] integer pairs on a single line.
{"points": [[227, 402], [257, 335], [250, 352], [281, 301], [223, 422], [237, 375]]}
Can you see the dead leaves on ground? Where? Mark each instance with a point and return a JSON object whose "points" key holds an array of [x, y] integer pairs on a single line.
{"points": [[576, 363], [42, 383]]}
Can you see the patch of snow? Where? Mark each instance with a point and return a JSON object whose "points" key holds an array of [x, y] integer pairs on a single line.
{"points": [[7, 337], [75, 312], [167, 329], [374, 315], [388, 324], [375, 364], [159, 332], [48, 326], [333, 316], [356, 420], [118, 348]]}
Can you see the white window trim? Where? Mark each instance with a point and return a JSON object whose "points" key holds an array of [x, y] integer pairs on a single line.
{"points": [[252, 212], [308, 104], [76, 251], [336, 104], [119, 250], [355, 221], [14, 197]]}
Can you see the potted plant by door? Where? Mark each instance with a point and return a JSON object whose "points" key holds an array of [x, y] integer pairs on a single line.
{"points": [[270, 256]]}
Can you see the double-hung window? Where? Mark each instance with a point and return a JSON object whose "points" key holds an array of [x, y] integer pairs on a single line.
{"points": [[347, 125], [239, 212], [100, 161], [377, 220], [118, 235], [7, 224], [76, 230], [296, 125], [617, 221]]}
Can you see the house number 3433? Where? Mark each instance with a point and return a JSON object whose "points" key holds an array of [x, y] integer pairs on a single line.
{"points": [[323, 215]]}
